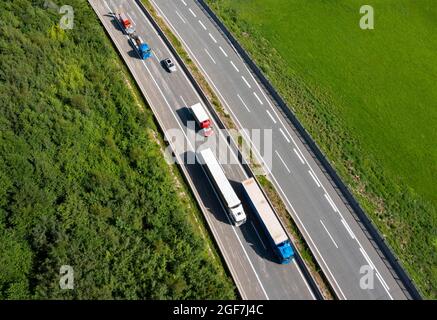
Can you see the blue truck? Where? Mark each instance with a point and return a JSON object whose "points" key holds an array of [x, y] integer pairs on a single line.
{"points": [[142, 48], [276, 234]]}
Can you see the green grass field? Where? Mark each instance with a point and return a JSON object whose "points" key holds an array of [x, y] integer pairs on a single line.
{"points": [[369, 99]]}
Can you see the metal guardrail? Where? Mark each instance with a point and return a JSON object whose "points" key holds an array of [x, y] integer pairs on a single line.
{"points": [[383, 249], [315, 289]]}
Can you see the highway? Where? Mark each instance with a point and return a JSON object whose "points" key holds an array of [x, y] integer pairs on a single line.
{"points": [[244, 249], [332, 232]]}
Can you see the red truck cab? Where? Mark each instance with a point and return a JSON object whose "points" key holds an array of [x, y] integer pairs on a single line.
{"points": [[202, 119], [126, 23]]}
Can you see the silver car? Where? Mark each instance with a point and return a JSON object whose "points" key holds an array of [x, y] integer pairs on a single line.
{"points": [[169, 65]]}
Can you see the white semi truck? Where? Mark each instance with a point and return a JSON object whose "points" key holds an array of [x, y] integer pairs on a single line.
{"points": [[227, 194]]}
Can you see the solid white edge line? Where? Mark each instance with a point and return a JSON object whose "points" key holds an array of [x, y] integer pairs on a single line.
{"points": [[247, 137], [383, 284], [374, 267], [306, 283], [284, 198], [378, 275], [366, 257], [315, 176]]}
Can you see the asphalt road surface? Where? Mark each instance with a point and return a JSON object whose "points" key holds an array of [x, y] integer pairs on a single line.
{"points": [[245, 249], [346, 255]]}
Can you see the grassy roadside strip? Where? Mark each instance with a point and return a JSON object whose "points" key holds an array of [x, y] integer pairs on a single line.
{"points": [[224, 116]]}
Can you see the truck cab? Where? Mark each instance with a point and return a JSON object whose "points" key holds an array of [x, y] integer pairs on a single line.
{"points": [[285, 252], [202, 119], [238, 215], [143, 49], [126, 24]]}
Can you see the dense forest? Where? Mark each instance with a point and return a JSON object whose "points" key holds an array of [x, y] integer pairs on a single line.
{"points": [[83, 182]]}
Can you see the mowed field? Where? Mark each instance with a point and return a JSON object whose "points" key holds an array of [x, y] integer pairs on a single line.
{"points": [[369, 99]]}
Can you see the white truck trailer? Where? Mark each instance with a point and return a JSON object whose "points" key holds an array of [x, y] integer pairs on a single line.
{"points": [[272, 227], [218, 178]]}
